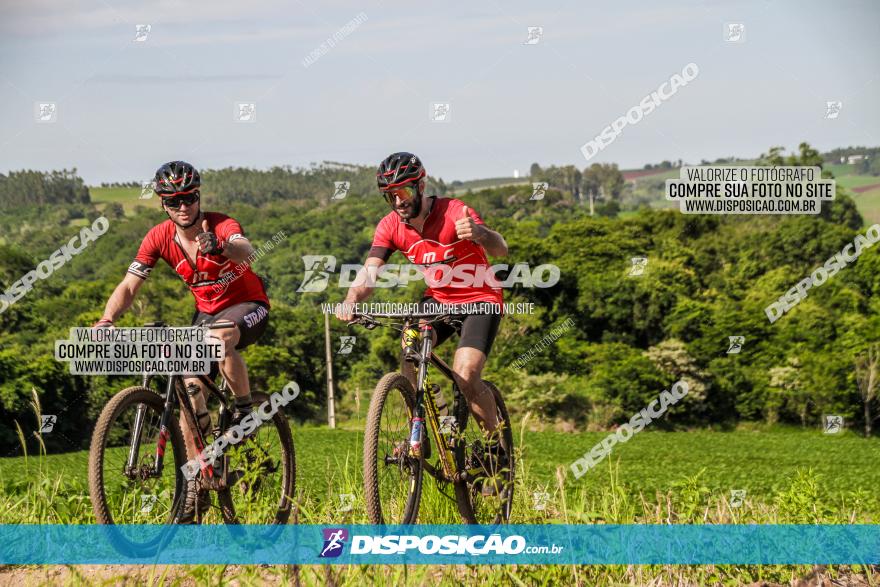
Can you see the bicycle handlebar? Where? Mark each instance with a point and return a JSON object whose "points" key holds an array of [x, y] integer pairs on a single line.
{"points": [[419, 315], [369, 321]]}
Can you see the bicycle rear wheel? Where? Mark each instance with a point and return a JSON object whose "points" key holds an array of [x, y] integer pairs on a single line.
{"points": [[392, 478], [487, 496], [261, 473], [124, 484]]}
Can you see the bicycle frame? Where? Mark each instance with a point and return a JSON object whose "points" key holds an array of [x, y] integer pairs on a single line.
{"points": [[426, 401], [174, 396]]}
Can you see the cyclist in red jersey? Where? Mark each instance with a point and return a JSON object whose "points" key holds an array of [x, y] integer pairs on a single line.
{"points": [[201, 247], [434, 232]]}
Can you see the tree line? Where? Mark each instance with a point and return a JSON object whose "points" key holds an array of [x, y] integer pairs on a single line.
{"points": [[706, 279]]}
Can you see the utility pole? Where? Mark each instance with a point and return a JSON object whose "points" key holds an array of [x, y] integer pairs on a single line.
{"points": [[331, 400]]}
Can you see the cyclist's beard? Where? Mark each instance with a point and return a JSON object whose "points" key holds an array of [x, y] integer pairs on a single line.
{"points": [[184, 226], [416, 208]]}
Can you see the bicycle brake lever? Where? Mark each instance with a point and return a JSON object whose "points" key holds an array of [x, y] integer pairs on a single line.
{"points": [[366, 322]]}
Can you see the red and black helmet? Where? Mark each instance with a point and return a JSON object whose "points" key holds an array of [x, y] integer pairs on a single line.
{"points": [[399, 169], [176, 177]]}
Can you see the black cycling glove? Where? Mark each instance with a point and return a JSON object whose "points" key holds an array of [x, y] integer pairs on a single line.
{"points": [[209, 244]]}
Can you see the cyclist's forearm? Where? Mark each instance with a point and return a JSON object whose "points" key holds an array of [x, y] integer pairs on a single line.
{"points": [[358, 293], [238, 250], [493, 242], [120, 301], [365, 281]]}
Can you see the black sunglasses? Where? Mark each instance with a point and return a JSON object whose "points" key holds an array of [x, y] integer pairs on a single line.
{"points": [[174, 202]]}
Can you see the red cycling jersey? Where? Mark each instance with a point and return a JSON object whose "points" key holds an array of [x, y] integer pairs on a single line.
{"points": [[215, 281], [438, 249]]}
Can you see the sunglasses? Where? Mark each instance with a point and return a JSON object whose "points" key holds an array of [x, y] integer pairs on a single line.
{"points": [[405, 193], [175, 202]]}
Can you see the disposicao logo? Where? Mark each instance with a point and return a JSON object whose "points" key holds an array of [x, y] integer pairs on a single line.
{"points": [[334, 542]]}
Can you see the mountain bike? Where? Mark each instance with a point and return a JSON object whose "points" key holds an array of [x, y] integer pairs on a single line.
{"points": [[137, 454], [398, 448]]}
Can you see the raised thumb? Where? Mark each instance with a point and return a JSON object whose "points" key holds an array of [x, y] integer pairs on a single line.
{"points": [[205, 225], [465, 213]]}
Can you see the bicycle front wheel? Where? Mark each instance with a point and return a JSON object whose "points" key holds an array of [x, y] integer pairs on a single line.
{"points": [[134, 468], [392, 478]]}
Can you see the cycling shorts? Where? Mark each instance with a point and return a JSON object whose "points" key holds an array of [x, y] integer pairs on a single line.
{"points": [[250, 317], [476, 331]]}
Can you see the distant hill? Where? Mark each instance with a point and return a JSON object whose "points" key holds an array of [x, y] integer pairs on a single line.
{"points": [[645, 186]]}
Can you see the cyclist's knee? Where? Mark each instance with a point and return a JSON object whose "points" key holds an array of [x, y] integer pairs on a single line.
{"points": [[468, 373], [468, 364], [228, 336]]}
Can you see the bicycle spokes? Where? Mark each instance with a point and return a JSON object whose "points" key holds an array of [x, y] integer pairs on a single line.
{"points": [[137, 492], [399, 455], [392, 471], [255, 475]]}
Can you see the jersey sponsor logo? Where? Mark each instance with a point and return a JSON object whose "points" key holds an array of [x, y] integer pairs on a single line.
{"points": [[198, 281], [253, 318], [202, 278], [430, 252]]}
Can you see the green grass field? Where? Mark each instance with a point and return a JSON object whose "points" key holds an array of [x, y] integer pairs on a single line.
{"points": [[790, 475], [868, 204], [765, 463], [128, 197], [856, 181]]}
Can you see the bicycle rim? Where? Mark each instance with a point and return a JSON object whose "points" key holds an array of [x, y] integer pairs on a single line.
{"points": [[392, 478], [134, 495]]}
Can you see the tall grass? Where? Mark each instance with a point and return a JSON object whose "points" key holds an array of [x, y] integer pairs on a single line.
{"points": [[46, 498]]}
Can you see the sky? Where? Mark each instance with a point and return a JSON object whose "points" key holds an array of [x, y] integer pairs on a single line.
{"points": [[122, 106]]}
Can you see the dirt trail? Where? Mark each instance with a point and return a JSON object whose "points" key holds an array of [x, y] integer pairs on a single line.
{"points": [[865, 188], [178, 575]]}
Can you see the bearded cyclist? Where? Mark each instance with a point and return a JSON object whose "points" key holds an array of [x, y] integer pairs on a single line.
{"points": [[201, 247], [434, 231]]}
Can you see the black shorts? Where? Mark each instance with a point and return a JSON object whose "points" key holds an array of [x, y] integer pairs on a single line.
{"points": [[477, 331], [250, 317]]}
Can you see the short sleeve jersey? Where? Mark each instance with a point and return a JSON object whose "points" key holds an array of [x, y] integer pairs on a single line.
{"points": [[457, 271], [215, 281]]}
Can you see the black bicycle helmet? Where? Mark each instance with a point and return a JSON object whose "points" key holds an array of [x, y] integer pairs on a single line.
{"points": [[399, 169], [176, 177]]}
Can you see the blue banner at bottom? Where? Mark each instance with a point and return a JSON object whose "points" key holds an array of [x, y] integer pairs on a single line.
{"points": [[448, 544]]}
